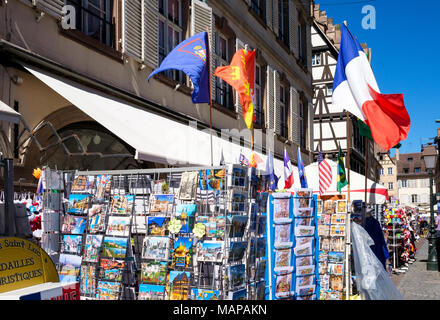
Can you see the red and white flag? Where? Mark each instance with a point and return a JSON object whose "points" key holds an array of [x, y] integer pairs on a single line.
{"points": [[325, 174], [288, 171]]}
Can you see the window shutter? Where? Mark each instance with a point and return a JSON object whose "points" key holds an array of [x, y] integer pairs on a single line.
{"points": [[310, 127], [133, 27], [293, 25], [276, 98], [238, 45], [269, 13], [294, 115], [151, 37], [270, 98], [201, 20], [275, 16], [53, 7]]}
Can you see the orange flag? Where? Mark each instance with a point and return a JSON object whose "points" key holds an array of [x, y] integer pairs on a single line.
{"points": [[240, 75], [255, 160]]}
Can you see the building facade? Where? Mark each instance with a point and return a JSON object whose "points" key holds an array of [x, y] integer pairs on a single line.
{"points": [[77, 73], [388, 172]]}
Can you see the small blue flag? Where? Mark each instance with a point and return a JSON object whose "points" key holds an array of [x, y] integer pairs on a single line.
{"points": [[273, 179], [302, 173], [191, 57]]}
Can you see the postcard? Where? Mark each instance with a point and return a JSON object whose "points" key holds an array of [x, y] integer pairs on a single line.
{"points": [[306, 297], [182, 252], [338, 218], [73, 225], [337, 230], [260, 290], [303, 250], [212, 179], [323, 230], [304, 240], [114, 247], [111, 269], [237, 201], [283, 258], [324, 243], [236, 275], [240, 294], [261, 247], [337, 244], [304, 261], [305, 290], [88, 280], [72, 244], [161, 203], [329, 207], [78, 203], [260, 270], [261, 200], [335, 257], [341, 206], [118, 226], [335, 295], [284, 286], [336, 283], [238, 177], [186, 214], [103, 185], [303, 198], [108, 290], [237, 226], [179, 282], [335, 268], [210, 225], [261, 224], [210, 251], [204, 294], [281, 209], [323, 266], [299, 221], [69, 267], [151, 292], [97, 218], [82, 184], [305, 270], [92, 247], [253, 217], [305, 281], [303, 231], [282, 234], [154, 272], [319, 206], [324, 281], [188, 186], [303, 212], [237, 250], [156, 248], [122, 204], [157, 226]]}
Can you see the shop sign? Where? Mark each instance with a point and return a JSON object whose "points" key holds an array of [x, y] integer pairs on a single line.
{"points": [[24, 264]]}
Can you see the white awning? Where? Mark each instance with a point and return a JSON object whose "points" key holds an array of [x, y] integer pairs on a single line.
{"points": [[8, 114], [155, 138]]}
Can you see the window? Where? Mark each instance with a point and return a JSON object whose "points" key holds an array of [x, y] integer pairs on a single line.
{"points": [[170, 32], [258, 95], [329, 89], [405, 170], [414, 198], [259, 7], [95, 19], [284, 111], [410, 159], [302, 40], [417, 170], [404, 184], [316, 59], [390, 185], [283, 21], [390, 171], [223, 91], [382, 171]]}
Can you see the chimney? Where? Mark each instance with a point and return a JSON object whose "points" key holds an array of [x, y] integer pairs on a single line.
{"points": [[397, 154], [438, 132]]}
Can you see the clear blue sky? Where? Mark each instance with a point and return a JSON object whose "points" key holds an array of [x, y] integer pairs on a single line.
{"points": [[405, 47]]}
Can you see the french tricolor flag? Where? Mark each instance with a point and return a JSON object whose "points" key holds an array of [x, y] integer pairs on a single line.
{"points": [[355, 89], [288, 171]]}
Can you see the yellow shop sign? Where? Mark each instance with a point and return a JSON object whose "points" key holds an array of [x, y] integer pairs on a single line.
{"points": [[24, 264]]}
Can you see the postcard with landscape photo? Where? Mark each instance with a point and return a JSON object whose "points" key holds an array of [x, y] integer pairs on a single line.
{"points": [[114, 247], [69, 267], [305, 281], [188, 186], [210, 251], [237, 226], [304, 261], [107, 290], [92, 247], [304, 231], [281, 209], [236, 275], [240, 294], [182, 252], [284, 285], [337, 244], [118, 226], [151, 292], [186, 214], [238, 178], [324, 243], [305, 290], [179, 282], [337, 230], [157, 226], [303, 221], [282, 233], [204, 294], [282, 258], [335, 257], [305, 270], [156, 248], [323, 230], [102, 185], [82, 184], [303, 198], [72, 244], [111, 269], [336, 283], [97, 218], [303, 212], [303, 250], [304, 240], [341, 206], [237, 250], [78, 203], [210, 225], [88, 280], [319, 206], [73, 225], [329, 206], [122, 204], [154, 272], [237, 201], [161, 203], [335, 268]]}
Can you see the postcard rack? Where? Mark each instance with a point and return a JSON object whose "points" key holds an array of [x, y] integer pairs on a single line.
{"points": [[174, 233], [293, 246]]}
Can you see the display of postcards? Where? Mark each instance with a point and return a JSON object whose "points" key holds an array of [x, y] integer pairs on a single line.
{"points": [[236, 275], [210, 251], [182, 252], [323, 266], [97, 218], [319, 206], [303, 198], [88, 280], [303, 222], [304, 240], [337, 230], [261, 224], [122, 204], [92, 247], [261, 201], [107, 290], [303, 250], [114, 247], [210, 225], [324, 243], [335, 268], [179, 285], [260, 269], [103, 185], [186, 214], [341, 206], [237, 226], [188, 186], [238, 177], [237, 250], [282, 258], [260, 290], [284, 286], [237, 201], [335, 257], [111, 269], [82, 184], [304, 212], [282, 233], [78, 203], [139, 224], [338, 218], [329, 206], [323, 230], [73, 225], [280, 209], [161, 203], [305, 290], [69, 267], [337, 244], [71, 244], [305, 281], [325, 218], [237, 295], [324, 281], [118, 226], [154, 272], [151, 292], [336, 283], [303, 231], [305, 270], [204, 294], [156, 248], [304, 261], [157, 226]]}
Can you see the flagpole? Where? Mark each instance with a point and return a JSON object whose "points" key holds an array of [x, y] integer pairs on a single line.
{"points": [[367, 146], [210, 94]]}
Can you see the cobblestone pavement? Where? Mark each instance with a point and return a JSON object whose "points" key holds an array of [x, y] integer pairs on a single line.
{"points": [[418, 283]]}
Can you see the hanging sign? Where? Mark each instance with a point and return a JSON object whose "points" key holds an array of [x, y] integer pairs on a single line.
{"points": [[24, 264]]}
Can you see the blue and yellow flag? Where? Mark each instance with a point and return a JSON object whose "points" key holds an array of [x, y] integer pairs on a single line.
{"points": [[192, 58]]}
